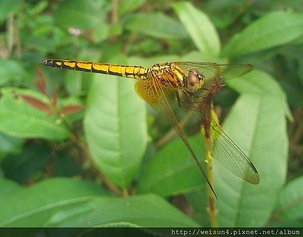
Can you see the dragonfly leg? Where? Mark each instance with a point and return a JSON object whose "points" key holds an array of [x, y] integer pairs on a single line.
{"points": [[178, 98]]}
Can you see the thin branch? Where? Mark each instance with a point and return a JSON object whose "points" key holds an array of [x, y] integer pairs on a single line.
{"points": [[115, 12], [17, 41], [130, 41], [212, 211], [10, 33], [296, 136], [87, 157], [85, 154]]}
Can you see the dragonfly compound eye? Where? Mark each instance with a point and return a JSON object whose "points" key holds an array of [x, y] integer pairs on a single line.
{"points": [[194, 80]]}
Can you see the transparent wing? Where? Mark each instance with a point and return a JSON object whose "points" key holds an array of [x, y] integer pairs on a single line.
{"points": [[232, 157], [211, 70], [230, 71], [215, 73], [163, 99], [225, 150]]}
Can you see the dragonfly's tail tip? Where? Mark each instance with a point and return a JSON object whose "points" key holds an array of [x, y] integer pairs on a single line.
{"points": [[216, 196], [256, 181], [47, 62], [44, 61]]}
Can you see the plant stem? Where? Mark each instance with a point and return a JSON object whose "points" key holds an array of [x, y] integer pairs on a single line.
{"points": [[212, 211], [208, 149], [87, 157], [114, 12]]}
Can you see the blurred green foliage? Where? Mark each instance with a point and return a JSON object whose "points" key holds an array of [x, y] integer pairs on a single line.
{"points": [[77, 138]]}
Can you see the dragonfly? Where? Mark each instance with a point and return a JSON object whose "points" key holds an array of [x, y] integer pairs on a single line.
{"points": [[193, 85]]}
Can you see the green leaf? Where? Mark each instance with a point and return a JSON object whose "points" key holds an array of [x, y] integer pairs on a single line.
{"points": [[150, 61], [115, 127], [260, 83], [9, 144], [273, 29], [101, 32], [198, 56], [73, 86], [8, 186], [8, 7], [157, 25], [19, 119], [172, 170], [81, 14], [257, 124], [290, 203], [129, 6], [11, 71], [199, 27], [289, 224], [29, 207], [256, 82], [143, 210]]}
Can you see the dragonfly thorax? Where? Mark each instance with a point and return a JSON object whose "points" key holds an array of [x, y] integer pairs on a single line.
{"points": [[193, 81], [168, 75]]}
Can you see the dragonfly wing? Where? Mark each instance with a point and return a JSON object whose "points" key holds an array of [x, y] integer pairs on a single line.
{"points": [[232, 157], [146, 90], [216, 72], [167, 108], [225, 150], [230, 71]]}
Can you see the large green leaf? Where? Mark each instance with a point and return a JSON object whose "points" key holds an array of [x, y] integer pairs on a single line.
{"points": [[19, 119], [260, 83], [199, 27], [257, 82], [257, 124], [9, 144], [115, 127], [74, 87], [172, 170], [143, 210], [81, 14], [11, 71], [273, 29], [150, 61], [127, 6], [7, 186], [290, 203], [156, 25], [8, 7], [33, 206]]}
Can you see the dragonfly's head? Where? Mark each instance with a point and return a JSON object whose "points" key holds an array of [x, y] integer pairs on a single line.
{"points": [[194, 80]]}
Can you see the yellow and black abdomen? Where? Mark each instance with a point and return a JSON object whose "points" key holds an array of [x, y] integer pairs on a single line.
{"points": [[136, 72]]}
